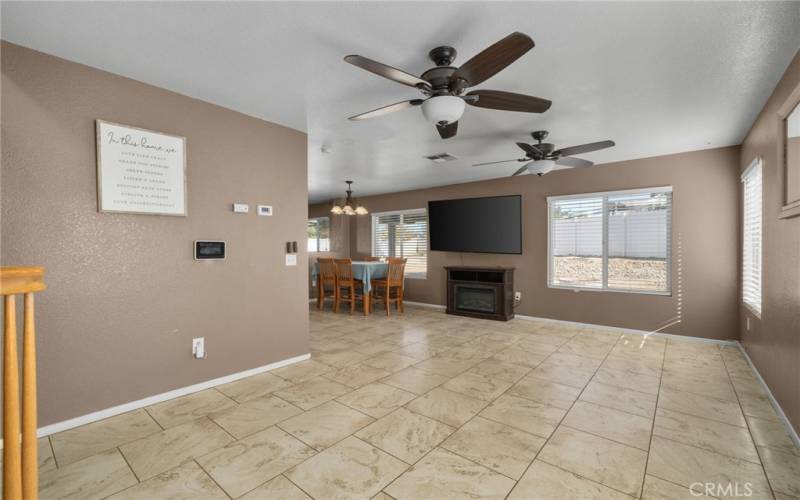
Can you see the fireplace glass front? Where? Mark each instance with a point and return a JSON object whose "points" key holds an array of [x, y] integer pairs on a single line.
{"points": [[476, 299]]}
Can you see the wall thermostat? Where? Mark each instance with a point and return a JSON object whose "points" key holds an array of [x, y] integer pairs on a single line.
{"points": [[264, 209], [209, 250]]}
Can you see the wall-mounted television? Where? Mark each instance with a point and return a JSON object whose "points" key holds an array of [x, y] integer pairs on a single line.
{"points": [[483, 225]]}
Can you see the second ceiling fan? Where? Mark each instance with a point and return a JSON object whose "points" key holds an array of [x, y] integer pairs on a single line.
{"points": [[542, 157], [444, 85]]}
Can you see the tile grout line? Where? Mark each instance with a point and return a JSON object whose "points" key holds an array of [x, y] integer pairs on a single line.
{"points": [[153, 418], [283, 474], [655, 415], [135, 475], [210, 476], [53, 451], [749, 431]]}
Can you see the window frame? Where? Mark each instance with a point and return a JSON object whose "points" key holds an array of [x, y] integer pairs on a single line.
{"points": [[410, 211], [605, 195], [316, 220], [757, 163]]}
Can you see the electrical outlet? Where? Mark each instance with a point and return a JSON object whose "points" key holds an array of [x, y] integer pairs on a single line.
{"points": [[199, 347], [517, 296]]}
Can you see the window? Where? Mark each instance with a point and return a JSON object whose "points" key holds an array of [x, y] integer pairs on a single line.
{"points": [[402, 234], [618, 241], [751, 237], [319, 234]]}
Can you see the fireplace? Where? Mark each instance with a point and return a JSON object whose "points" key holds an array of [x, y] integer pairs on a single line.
{"points": [[481, 292], [474, 298]]}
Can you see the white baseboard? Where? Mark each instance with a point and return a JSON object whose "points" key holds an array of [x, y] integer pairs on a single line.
{"points": [[612, 328], [634, 331], [778, 409], [158, 398], [424, 304]]}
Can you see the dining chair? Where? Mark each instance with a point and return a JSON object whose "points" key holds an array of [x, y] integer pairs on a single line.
{"points": [[394, 282], [372, 259], [326, 277], [345, 281]]}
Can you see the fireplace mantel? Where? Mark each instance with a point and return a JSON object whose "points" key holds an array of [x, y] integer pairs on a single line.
{"points": [[481, 292]]}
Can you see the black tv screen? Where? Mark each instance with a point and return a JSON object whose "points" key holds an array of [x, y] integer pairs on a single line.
{"points": [[484, 225]]}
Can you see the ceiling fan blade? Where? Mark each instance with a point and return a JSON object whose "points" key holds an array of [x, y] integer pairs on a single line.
{"points": [[385, 110], [529, 149], [522, 170], [385, 71], [508, 101], [491, 61], [447, 131], [568, 161], [584, 148], [495, 162]]}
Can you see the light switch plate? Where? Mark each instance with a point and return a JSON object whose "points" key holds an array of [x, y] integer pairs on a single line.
{"points": [[241, 208], [291, 259], [264, 210]]}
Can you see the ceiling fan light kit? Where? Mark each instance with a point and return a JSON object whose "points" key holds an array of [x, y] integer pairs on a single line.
{"points": [[540, 167], [345, 207], [443, 109]]}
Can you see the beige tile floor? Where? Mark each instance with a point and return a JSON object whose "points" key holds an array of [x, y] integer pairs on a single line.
{"points": [[429, 406]]}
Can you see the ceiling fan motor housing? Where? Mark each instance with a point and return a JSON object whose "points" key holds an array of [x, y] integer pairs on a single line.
{"points": [[443, 56]]}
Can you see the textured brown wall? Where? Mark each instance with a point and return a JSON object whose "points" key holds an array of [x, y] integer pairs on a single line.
{"points": [[773, 341], [705, 218], [124, 295]]}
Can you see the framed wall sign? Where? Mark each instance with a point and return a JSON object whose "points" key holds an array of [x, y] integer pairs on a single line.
{"points": [[789, 154], [140, 171]]}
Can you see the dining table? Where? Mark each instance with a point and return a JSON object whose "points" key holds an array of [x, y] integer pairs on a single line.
{"points": [[365, 271]]}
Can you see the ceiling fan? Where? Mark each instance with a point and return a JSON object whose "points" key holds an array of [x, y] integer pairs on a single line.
{"points": [[444, 85], [543, 157]]}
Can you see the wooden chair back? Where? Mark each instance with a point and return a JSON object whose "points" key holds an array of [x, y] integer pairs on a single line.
{"points": [[20, 463], [372, 259], [397, 269], [327, 268], [344, 270]]}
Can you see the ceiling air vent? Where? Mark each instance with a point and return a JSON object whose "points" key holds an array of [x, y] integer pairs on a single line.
{"points": [[441, 157]]}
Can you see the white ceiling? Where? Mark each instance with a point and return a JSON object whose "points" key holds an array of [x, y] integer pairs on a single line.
{"points": [[657, 78]]}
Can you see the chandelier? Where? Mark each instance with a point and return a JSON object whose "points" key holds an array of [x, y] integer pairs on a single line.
{"points": [[346, 206]]}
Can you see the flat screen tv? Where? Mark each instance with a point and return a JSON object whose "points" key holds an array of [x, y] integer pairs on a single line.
{"points": [[483, 225]]}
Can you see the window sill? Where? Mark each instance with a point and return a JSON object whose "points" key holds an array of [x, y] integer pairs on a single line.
{"points": [[612, 290]]}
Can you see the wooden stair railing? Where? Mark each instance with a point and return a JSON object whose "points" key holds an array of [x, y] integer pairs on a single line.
{"points": [[20, 467]]}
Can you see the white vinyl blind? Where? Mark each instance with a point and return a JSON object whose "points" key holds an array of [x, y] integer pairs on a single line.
{"points": [[617, 241], [751, 237], [402, 234], [576, 239], [318, 230]]}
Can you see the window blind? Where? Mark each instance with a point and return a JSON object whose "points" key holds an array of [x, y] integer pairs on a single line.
{"points": [[576, 239], [751, 237], [402, 234], [612, 241], [318, 230]]}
